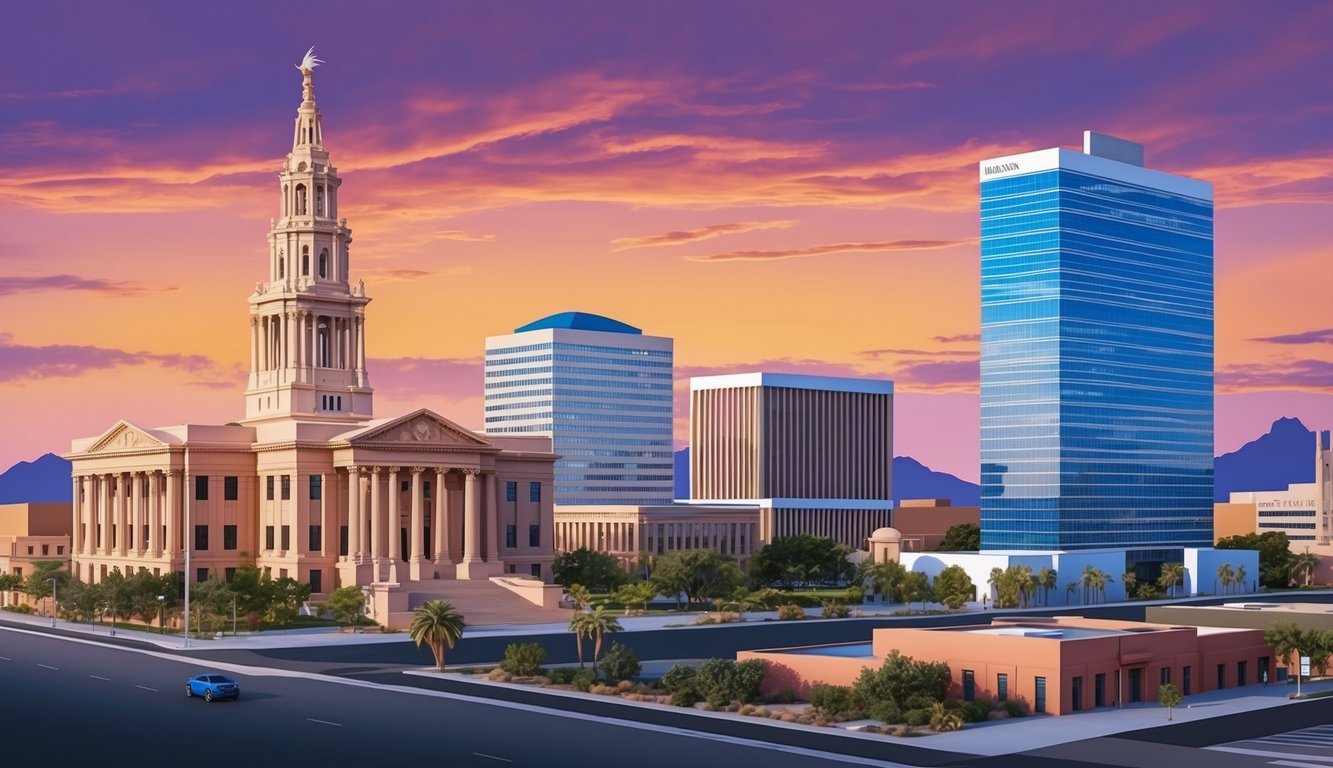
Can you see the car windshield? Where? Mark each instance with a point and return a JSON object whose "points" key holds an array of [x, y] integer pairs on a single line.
{"points": [[218, 679]]}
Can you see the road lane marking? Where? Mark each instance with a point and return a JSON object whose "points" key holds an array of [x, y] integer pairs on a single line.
{"points": [[5, 658], [146, 688], [324, 722], [492, 757], [48, 666], [99, 677]]}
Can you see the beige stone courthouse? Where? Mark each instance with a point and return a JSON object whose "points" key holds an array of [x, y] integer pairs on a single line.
{"points": [[309, 484]]}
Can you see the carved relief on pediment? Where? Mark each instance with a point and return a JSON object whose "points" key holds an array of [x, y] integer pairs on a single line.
{"points": [[421, 428], [124, 439]]}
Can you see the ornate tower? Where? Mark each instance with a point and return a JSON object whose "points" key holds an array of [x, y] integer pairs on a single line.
{"points": [[307, 323]]}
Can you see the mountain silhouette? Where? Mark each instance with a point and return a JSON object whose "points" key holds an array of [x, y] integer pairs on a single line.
{"points": [[43, 480], [1283, 456]]}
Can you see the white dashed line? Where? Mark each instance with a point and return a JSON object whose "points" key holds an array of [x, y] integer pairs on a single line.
{"points": [[324, 722], [492, 757], [99, 677], [146, 688], [48, 666], [5, 658]]}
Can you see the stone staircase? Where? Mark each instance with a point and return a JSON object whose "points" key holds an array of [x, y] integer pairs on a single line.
{"points": [[482, 603]]}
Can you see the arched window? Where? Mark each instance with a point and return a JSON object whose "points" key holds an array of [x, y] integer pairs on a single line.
{"points": [[323, 350], [319, 200], [300, 200], [305, 261], [324, 262]]}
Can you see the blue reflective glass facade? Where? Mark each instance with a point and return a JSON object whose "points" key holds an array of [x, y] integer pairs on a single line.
{"points": [[1096, 364]]}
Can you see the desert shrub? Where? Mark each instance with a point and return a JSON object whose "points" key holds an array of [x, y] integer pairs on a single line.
{"points": [[790, 612], [680, 677], [975, 711], [903, 730], [582, 679], [886, 712], [944, 719], [20, 608], [1012, 708], [620, 663], [784, 696], [831, 699], [562, 675], [920, 701], [499, 675], [686, 697], [917, 717], [834, 610], [523, 659]]}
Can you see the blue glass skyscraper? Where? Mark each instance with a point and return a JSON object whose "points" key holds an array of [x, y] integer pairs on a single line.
{"points": [[1096, 353]]}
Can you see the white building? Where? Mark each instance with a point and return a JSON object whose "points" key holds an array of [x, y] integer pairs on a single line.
{"points": [[601, 390]]}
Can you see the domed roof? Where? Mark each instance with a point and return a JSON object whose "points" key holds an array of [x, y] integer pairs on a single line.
{"points": [[886, 534]]}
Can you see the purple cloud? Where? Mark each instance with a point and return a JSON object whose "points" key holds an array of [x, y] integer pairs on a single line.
{"points": [[962, 337], [939, 374], [1291, 374], [19, 361], [13, 284], [1321, 336], [876, 354], [454, 378], [820, 250]]}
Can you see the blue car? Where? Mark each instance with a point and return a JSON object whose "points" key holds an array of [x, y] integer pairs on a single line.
{"points": [[212, 686]]}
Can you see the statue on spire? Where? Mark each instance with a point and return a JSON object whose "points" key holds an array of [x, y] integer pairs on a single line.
{"points": [[310, 61]]}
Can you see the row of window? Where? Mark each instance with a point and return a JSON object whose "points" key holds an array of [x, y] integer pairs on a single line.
{"points": [[559, 358], [534, 491], [562, 346], [280, 537]]}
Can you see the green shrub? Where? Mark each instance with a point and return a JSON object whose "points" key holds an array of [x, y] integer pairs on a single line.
{"points": [[620, 663], [784, 696], [886, 712], [523, 659], [831, 699], [684, 698], [20, 608], [582, 679], [680, 678], [561, 675], [920, 701], [749, 679], [917, 717], [943, 719], [835, 610], [1012, 708], [790, 612], [975, 711]]}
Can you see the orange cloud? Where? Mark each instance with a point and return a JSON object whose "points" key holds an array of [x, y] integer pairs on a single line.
{"points": [[820, 250], [683, 236]]}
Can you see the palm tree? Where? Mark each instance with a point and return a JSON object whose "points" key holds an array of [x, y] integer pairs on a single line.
{"points": [[581, 625], [1172, 574], [437, 624], [1070, 589], [1239, 579], [996, 575], [600, 623], [1224, 576], [1047, 579], [1304, 565], [1130, 579], [1086, 580], [579, 596]]}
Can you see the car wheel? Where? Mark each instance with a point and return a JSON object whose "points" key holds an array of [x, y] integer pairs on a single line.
{"points": [[208, 694], [189, 691]]}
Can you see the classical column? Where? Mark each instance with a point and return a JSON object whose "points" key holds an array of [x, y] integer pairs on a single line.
{"points": [[254, 345], [300, 338], [118, 535], [395, 517], [471, 522], [96, 527], [439, 526], [324, 514], [154, 542], [492, 519], [136, 513], [360, 343], [376, 522], [416, 538], [76, 532], [355, 494], [173, 513]]}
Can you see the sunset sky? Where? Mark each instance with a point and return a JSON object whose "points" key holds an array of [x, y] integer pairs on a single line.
{"points": [[788, 186]]}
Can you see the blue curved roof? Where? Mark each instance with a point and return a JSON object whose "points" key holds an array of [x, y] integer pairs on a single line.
{"points": [[579, 321]]}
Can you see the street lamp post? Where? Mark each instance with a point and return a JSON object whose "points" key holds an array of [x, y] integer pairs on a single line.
{"points": [[55, 604], [161, 619]]}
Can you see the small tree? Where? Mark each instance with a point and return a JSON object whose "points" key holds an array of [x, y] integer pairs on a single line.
{"points": [[636, 593], [1172, 574], [600, 624], [964, 537], [593, 569], [347, 604], [579, 596], [438, 625], [581, 625], [1170, 697], [953, 587]]}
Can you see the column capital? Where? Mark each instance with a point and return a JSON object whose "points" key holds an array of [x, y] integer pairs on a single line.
{"points": [[417, 470], [375, 470], [355, 469], [173, 472], [470, 472]]}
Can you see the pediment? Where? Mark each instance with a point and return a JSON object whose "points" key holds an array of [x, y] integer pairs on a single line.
{"points": [[124, 436], [424, 427]]}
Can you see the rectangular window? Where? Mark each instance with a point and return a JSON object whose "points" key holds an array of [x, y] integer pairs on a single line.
{"points": [[269, 485], [404, 485], [30, 549], [229, 537], [286, 537], [1076, 692], [1164, 676], [315, 543], [201, 487], [969, 685], [268, 537], [1040, 705], [511, 536], [537, 570], [1099, 690], [316, 581], [425, 489], [46, 550], [342, 540], [286, 487], [200, 575], [511, 491], [60, 549], [1241, 669], [1221, 676], [316, 488], [201, 538], [1185, 681], [230, 488], [1002, 686], [534, 535], [534, 491], [228, 574]]}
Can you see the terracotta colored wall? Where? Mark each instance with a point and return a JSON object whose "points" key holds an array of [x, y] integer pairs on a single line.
{"points": [[930, 523], [1234, 520]]}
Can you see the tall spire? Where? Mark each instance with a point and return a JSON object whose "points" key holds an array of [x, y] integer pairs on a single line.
{"points": [[307, 320]]}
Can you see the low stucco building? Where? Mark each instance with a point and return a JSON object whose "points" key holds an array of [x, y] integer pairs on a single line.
{"points": [[924, 522], [629, 532], [32, 533], [1058, 666]]}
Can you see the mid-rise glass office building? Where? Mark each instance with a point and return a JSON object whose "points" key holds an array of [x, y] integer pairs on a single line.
{"points": [[1096, 353], [601, 390]]}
